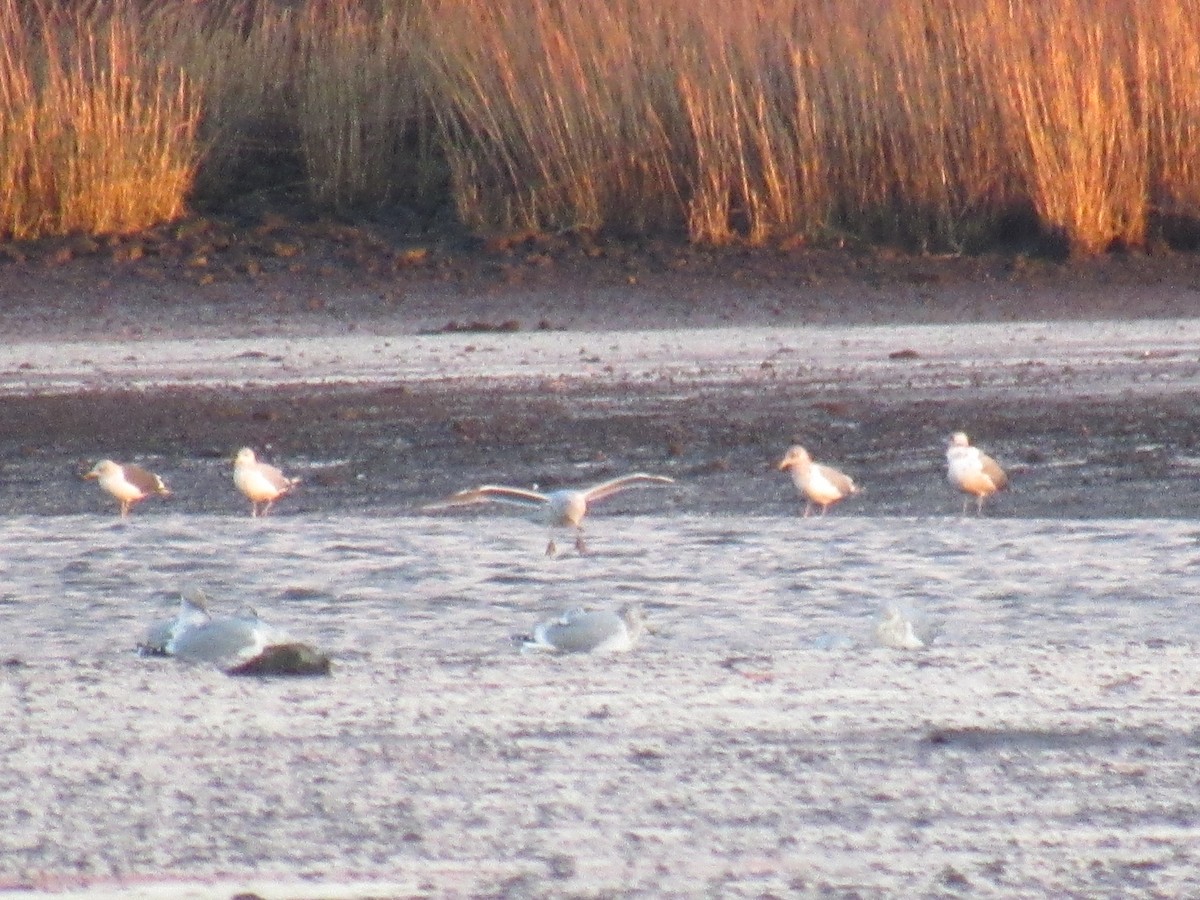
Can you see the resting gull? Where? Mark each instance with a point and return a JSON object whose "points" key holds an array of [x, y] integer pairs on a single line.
{"points": [[127, 482], [820, 485], [240, 644], [562, 508], [973, 472], [193, 611], [260, 482], [584, 631], [898, 631]]}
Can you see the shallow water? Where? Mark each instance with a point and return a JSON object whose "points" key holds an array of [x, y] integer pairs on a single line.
{"points": [[731, 744]]}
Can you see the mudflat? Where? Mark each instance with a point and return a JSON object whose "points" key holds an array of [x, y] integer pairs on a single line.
{"points": [[760, 741]]}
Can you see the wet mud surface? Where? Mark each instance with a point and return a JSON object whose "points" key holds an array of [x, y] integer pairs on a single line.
{"points": [[759, 741], [1109, 432]]}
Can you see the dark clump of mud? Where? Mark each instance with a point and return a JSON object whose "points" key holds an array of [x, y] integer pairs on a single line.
{"points": [[296, 660]]}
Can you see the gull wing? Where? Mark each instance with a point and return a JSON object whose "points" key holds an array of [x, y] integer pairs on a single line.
{"points": [[608, 488], [579, 631], [490, 493], [992, 470], [277, 479], [145, 481], [193, 600], [840, 480]]}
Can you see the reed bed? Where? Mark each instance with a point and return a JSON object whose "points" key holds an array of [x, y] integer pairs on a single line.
{"points": [[95, 136], [925, 123]]}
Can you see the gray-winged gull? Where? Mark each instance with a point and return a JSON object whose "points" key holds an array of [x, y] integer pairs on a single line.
{"points": [[972, 471], [563, 508], [589, 631], [820, 484], [261, 483], [240, 644], [127, 482]]}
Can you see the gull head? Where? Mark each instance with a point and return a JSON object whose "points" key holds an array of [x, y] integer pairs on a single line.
{"points": [[958, 439], [796, 457], [106, 468], [245, 457]]}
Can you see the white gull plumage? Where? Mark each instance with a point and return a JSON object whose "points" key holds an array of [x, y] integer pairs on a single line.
{"points": [[589, 631], [902, 627], [127, 482], [193, 612], [261, 483], [821, 485], [972, 471], [238, 644], [564, 508]]}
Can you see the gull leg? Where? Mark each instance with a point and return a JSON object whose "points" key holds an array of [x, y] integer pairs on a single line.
{"points": [[124, 509], [580, 546], [979, 505], [807, 508], [267, 507], [550, 548], [966, 506]]}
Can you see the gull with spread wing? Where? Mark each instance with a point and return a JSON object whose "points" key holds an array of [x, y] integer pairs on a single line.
{"points": [[563, 508]]}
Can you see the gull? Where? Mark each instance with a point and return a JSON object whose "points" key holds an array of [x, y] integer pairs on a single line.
{"points": [[226, 641], [582, 631], [193, 611], [128, 483], [972, 471], [241, 644], [260, 482], [819, 484], [562, 508], [896, 630]]}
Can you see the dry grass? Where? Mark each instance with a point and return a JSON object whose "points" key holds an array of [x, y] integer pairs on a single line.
{"points": [[243, 54], [94, 135], [360, 106], [920, 122], [1073, 114], [914, 121], [551, 117], [1168, 81]]}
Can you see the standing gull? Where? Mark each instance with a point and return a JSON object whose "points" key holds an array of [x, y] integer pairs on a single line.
{"points": [[819, 484], [260, 482], [973, 472], [128, 483], [562, 508], [583, 631]]}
